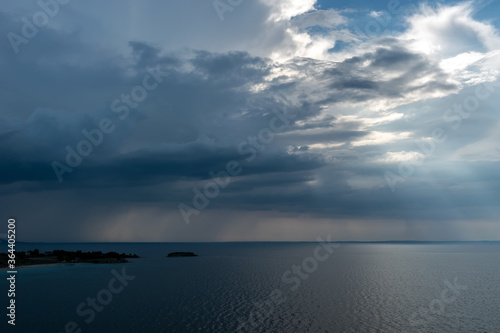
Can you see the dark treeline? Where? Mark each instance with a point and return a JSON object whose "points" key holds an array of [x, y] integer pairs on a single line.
{"points": [[35, 256]]}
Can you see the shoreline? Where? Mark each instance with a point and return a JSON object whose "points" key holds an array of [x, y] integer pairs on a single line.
{"points": [[35, 258]]}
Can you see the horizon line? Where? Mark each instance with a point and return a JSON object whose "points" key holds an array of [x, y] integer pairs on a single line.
{"points": [[259, 241]]}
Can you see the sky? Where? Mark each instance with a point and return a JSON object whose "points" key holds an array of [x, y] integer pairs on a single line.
{"points": [[264, 120]]}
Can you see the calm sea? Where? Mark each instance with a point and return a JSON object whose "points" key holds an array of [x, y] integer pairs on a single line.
{"points": [[263, 287]]}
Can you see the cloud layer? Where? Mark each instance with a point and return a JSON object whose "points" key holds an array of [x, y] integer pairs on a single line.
{"points": [[387, 135]]}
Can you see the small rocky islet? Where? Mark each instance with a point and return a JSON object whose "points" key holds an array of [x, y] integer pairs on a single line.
{"points": [[182, 254]]}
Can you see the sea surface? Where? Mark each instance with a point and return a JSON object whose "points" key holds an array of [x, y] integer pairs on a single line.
{"points": [[263, 287]]}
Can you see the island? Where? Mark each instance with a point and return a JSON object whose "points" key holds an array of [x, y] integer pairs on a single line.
{"points": [[182, 254], [36, 257]]}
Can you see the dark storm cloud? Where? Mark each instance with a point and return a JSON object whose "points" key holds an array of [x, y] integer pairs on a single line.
{"points": [[353, 78], [60, 72], [192, 162], [222, 112], [392, 59]]}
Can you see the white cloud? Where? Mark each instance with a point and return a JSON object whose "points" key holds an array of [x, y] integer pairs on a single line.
{"points": [[377, 138], [400, 156], [284, 10], [447, 31], [323, 18]]}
